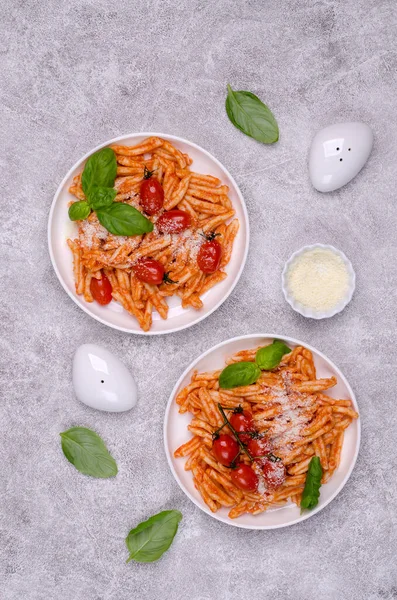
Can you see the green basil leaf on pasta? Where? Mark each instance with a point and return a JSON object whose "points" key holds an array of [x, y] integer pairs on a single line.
{"points": [[100, 170], [79, 211], [239, 374], [101, 197], [86, 450], [251, 116], [150, 539], [311, 492], [269, 357], [123, 219]]}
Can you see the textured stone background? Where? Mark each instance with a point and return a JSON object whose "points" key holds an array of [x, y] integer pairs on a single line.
{"points": [[76, 73]]}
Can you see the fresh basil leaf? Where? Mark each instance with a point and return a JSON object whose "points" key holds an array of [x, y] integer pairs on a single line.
{"points": [[101, 197], [123, 219], [100, 170], [239, 374], [281, 343], [269, 357], [251, 116], [79, 211], [88, 453], [150, 539], [311, 491]]}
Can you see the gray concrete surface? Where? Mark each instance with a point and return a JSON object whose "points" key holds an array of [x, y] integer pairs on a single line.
{"points": [[76, 73]]}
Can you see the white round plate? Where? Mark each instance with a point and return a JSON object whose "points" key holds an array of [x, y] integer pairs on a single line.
{"points": [[176, 433], [60, 228]]}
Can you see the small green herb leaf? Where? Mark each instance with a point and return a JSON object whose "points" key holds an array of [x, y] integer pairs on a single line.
{"points": [[123, 219], [239, 374], [150, 539], [79, 211], [251, 116], [269, 357], [88, 453], [311, 492], [100, 170], [101, 197]]}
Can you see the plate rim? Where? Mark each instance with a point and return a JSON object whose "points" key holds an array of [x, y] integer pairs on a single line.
{"points": [[119, 139], [234, 522]]}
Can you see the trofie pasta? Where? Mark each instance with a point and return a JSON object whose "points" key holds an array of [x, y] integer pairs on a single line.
{"points": [[285, 419], [199, 200]]}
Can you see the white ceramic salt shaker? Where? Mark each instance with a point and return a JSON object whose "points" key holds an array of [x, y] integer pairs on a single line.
{"points": [[338, 153], [102, 381]]}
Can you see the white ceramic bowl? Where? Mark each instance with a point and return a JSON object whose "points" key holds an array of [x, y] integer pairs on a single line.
{"points": [[305, 310], [60, 228], [176, 433]]}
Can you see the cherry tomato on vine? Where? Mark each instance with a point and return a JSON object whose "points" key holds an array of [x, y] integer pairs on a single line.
{"points": [[245, 478], [101, 290], [259, 446], [242, 422], [149, 271], [225, 449], [174, 221], [209, 255], [273, 472], [152, 194]]}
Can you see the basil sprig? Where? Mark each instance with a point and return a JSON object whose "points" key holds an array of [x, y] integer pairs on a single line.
{"points": [[101, 197], [238, 374], [79, 211], [251, 116], [86, 450], [150, 539], [245, 372], [97, 182], [122, 219], [269, 357], [100, 170], [311, 491]]}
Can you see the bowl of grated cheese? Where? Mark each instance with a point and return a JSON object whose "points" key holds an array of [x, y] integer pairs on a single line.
{"points": [[318, 281]]}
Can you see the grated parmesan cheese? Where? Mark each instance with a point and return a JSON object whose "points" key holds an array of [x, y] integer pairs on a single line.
{"points": [[294, 417], [189, 241], [92, 232], [318, 279], [184, 246]]}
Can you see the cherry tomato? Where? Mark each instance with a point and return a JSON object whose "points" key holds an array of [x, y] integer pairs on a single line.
{"points": [[273, 473], [174, 221], [225, 449], [259, 446], [245, 478], [149, 271], [152, 196], [242, 422], [101, 290], [209, 256]]}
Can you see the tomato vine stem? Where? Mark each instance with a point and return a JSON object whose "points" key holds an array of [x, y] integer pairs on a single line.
{"points": [[227, 422]]}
